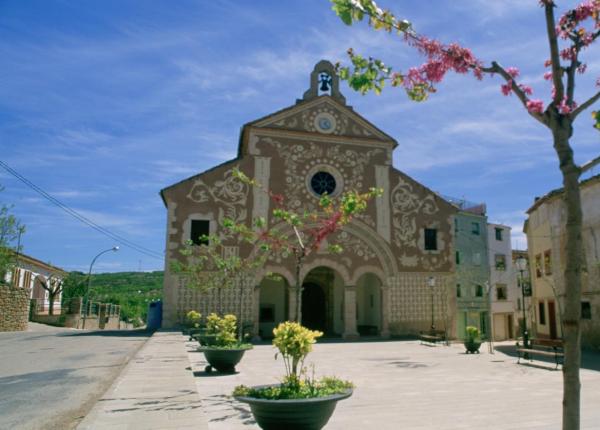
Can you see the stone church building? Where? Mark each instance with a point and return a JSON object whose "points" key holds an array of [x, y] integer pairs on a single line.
{"points": [[396, 272]]}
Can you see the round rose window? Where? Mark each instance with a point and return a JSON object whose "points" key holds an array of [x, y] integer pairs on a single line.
{"points": [[323, 182]]}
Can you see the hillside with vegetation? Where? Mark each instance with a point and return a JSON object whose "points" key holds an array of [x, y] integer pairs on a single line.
{"points": [[133, 291]]}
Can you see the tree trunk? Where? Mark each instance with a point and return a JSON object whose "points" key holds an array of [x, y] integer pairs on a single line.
{"points": [[298, 290], [561, 131], [51, 297]]}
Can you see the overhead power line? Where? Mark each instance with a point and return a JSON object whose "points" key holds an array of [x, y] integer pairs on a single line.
{"points": [[114, 236]]}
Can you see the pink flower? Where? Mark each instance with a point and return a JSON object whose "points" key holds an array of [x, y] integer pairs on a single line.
{"points": [[513, 72], [548, 76], [535, 106], [582, 68], [506, 88], [526, 89]]}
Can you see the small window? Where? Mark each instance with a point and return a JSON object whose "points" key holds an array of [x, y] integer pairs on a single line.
{"points": [[455, 225], [542, 313], [538, 266], [498, 233], [500, 260], [200, 229], [458, 292], [475, 228], [586, 311], [479, 291], [457, 254], [431, 239], [501, 292], [547, 263]]}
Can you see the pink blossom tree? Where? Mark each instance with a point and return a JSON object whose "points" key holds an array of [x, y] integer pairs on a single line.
{"points": [[574, 33]]}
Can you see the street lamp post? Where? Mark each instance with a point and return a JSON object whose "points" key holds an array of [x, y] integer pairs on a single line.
{"points": [[521, 264], [431, 284], [89, 281]]}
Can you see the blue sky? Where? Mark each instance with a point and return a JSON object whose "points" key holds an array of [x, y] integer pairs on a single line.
{"points": [[104, 103]]}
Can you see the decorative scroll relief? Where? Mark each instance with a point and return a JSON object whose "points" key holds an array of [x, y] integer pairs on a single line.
{"points": [[355, 246], [406, 204], [300, 159], [229, 193]]}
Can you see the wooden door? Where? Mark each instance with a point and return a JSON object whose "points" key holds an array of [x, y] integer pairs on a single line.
{"points": [[552, 320]]}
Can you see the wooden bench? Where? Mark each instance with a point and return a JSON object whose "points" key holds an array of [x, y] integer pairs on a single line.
{"points": [[432, 336], [544, 348]]}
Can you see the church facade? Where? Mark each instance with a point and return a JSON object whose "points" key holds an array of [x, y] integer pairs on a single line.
{"points": [[396, 272]]}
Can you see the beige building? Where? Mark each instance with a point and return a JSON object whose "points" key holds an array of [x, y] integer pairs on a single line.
{"points": [[545, 229], [29, 274], [380, 284]]}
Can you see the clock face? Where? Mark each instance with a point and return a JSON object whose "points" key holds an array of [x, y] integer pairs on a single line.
{"points": [[325, 123]]}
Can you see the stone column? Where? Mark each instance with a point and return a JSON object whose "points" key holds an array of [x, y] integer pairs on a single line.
{"points": [[385, 311], [350, 331], [256, 313]]}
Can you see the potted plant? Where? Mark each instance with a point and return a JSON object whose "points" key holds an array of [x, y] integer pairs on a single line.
{"points": [[191, 323], [224, 350], [473, 340], [299, 402]]}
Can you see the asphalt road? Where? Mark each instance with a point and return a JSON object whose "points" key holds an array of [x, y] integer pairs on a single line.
{"points": [[51, 377]]}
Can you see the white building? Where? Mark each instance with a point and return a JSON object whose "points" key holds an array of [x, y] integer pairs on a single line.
{"points": [[504, 293]]}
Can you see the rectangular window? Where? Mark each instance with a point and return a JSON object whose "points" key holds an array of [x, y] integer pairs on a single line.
{"points": [[455, 225], [200, 228], [542, 313], [458, 292], [538, 266], [547, 263], [479, 291], [431, 239], [500, 260], [457, 257], [586, 311], [475, 228], [501, 292], [498, 233]]}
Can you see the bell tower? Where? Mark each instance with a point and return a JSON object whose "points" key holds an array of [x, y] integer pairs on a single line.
{"points": [[324, 81]]}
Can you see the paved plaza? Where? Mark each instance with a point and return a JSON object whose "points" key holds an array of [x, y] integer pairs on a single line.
{"points": [[399, 385], [406, 385]]}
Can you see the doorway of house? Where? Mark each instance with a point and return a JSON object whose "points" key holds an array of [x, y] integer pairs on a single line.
{"points": [[314, 307], [552, 318]]}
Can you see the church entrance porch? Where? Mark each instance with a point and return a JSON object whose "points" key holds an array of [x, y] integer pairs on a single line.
{"points": [[322, 295]]}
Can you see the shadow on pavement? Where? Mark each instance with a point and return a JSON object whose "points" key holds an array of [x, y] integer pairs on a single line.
{"points": [[223, 403], [589, 359], [109, 333]]}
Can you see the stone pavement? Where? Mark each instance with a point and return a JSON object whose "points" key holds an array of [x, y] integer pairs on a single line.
{"points": [[399, 385], [405, 385], [156, 390]]}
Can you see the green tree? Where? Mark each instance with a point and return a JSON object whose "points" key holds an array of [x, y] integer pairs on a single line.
{"points": [[10, 232], [575, 31]]}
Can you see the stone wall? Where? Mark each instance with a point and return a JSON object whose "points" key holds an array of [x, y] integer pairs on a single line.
{"points": [[14, 308]]}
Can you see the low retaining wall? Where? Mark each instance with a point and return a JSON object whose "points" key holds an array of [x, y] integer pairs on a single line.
{"points": [[14, 308]]}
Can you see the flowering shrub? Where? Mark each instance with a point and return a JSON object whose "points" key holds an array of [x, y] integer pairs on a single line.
{"points": [[192, 319], [294, 342], [224, 329], [472, 334]]}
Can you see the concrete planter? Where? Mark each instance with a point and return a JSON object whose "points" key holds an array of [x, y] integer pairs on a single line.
{"points": [[293, 414], [472, 346], [223, 360]]}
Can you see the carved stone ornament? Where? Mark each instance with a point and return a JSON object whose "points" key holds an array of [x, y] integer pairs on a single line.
{"points": [[230, 195]]}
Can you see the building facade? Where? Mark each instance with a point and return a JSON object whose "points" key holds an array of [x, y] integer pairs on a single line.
{"points": [[29, 273], [472, 270], [379, 285], [545, 229], [504, 294]]}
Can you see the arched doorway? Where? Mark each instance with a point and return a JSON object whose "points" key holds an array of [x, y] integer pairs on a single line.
{"points": [[368, 305], [273, 301], [322, 296], [314, 307]]}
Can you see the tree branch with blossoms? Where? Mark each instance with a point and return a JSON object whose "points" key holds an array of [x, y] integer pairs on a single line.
{"points": [[310, 229]]}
